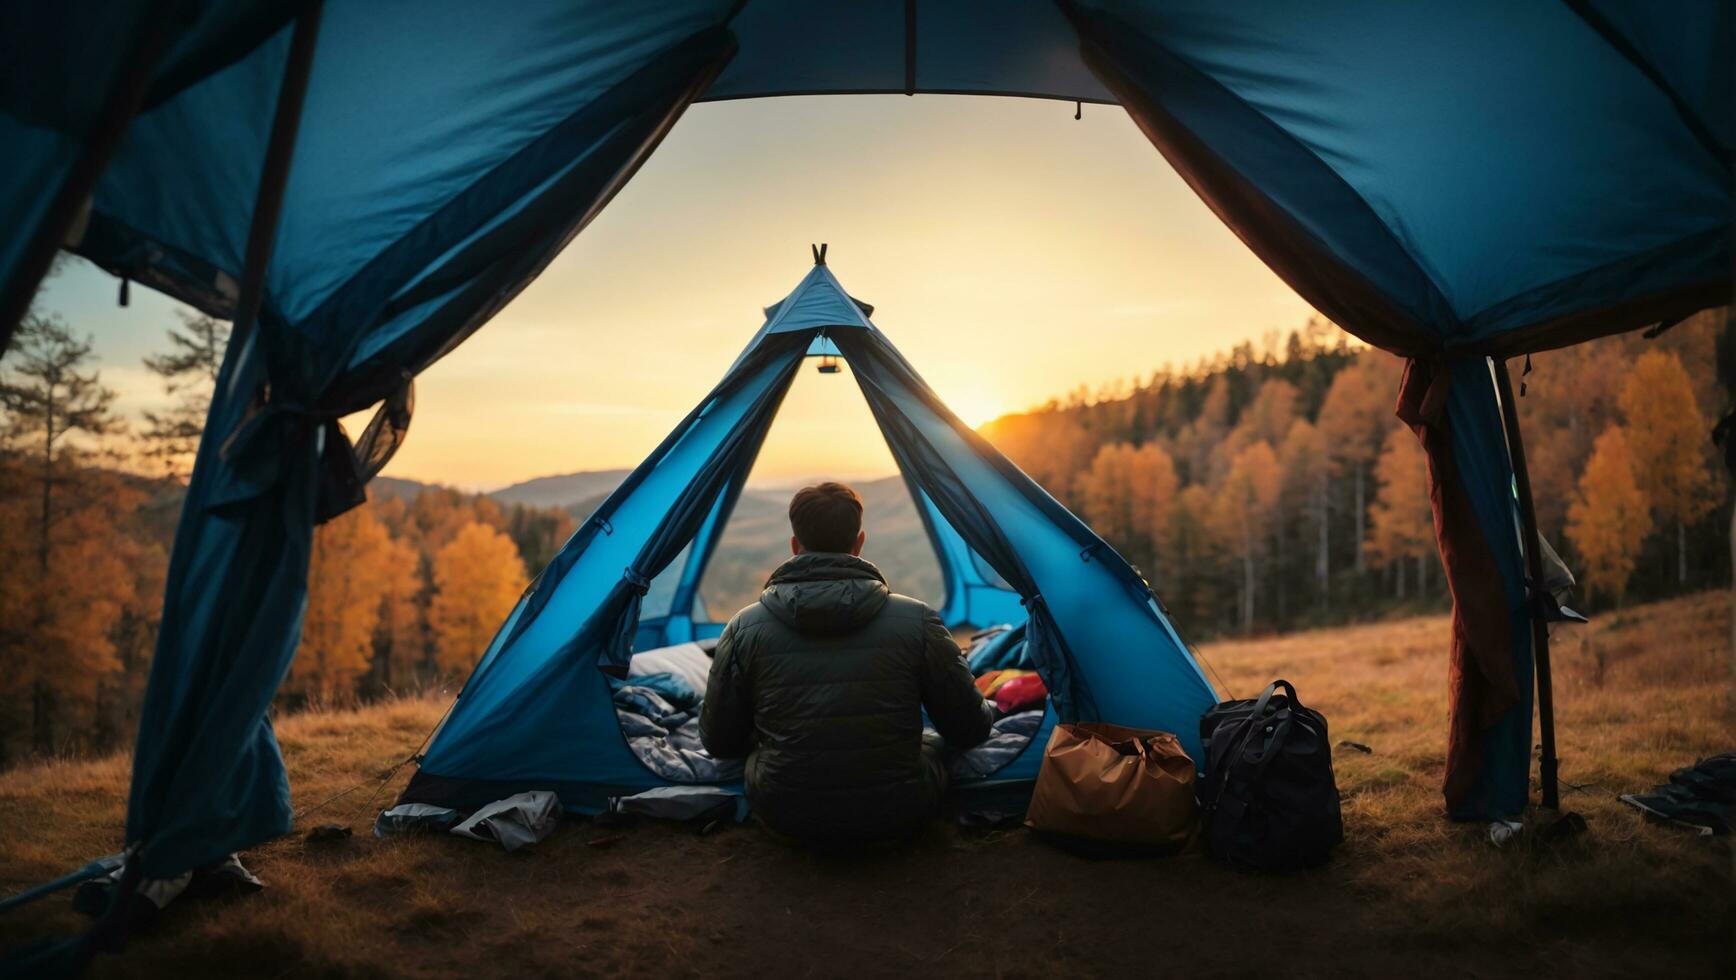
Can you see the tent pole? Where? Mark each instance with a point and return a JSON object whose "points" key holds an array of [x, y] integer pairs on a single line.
{"points": [[279, 150], [126, 94], [1546, 765]]}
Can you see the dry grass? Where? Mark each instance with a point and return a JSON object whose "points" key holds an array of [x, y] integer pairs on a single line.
{"points": [[1410, 893]]}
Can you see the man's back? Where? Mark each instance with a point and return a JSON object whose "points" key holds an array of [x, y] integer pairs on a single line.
{"points": [[821, 684]]}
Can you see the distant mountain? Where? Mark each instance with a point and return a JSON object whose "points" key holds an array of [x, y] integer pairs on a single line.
{"points": [[564, 490], [758, 539], [758, 536], [385, 487]]}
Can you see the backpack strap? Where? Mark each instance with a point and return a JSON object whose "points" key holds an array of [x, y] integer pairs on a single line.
{"points": [[1265, 700]]}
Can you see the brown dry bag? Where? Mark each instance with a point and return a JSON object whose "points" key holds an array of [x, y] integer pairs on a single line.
{"points": [[1114, 789]]}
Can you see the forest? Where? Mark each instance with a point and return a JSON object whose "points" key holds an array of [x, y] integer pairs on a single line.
{"points": [[1268, 489], [1273, 488]]}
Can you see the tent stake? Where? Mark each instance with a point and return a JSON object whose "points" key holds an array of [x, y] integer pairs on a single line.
{"points": [[1546, 765]]}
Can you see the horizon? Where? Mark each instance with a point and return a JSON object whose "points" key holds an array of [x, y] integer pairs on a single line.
{"points": [[990, 234]]}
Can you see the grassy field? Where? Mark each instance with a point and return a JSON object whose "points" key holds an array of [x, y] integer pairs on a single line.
{"points": [[1638, 694]]}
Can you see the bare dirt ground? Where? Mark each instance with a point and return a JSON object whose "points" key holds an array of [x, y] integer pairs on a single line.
{"points": [[1639, 694]]}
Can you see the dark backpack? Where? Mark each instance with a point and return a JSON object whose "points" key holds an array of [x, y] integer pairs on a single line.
{"points": [[1268, 801]]}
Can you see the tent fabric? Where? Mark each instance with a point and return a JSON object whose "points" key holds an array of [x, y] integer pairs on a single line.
{"points": [[1438, 242], [1421, 174], [1465, 179], [1432, 163], [536, 713], [207, 776], [75, 74], [1452, 407]]}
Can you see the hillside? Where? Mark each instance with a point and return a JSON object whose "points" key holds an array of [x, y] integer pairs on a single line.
{"points": [[563, 490], [758, 538], [758, 534], [395, 487], [1408, 894], [1273, 488]]}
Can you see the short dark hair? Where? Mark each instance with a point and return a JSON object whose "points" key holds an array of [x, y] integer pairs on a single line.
{"points": [[826, 517]]}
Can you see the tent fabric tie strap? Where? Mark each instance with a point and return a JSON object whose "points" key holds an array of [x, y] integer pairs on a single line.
{"points": [[637, 582], [255, 448]]}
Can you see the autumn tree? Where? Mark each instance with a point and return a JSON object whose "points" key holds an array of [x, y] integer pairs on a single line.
{"points": [[1127, 495], [1202, 441], [438, 515], [1401, 525], [1053, 448], [1245, 507], [539, 533], [1354, 421], [1193, 555], [1610, 517], [349, 574], [478, 577], [1307, 485], [400, 639], [1268, 416], [1570, 398], [1667, 436], [57, 410], [189, 372]]}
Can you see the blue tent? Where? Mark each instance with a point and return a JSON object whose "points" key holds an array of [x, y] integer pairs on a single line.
{"points": [[360, 184], [537, 712]]}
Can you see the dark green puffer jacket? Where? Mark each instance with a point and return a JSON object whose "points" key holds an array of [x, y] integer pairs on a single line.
{"points": [[821, 685]]}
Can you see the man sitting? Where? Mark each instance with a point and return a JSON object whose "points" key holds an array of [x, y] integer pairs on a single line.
{"points": [[822, 682]]}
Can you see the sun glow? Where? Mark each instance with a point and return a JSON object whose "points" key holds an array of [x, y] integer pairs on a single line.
{"points": [[974, 407], [1011, 251]]}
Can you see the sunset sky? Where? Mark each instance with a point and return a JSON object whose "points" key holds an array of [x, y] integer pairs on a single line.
{"points": [[1011, 252]]}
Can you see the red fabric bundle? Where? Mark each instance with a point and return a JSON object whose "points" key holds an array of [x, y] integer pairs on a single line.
{"points": [[1021, 694]]}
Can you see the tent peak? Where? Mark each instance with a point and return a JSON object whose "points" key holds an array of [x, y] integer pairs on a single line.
{"points": [[819, 253]]}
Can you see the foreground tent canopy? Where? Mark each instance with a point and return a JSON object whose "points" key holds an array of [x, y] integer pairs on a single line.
{"points": [[537, 711], [360, 184]]}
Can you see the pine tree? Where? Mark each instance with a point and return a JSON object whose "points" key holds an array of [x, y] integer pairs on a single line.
{"points": [[56, 410], [189, 371]]}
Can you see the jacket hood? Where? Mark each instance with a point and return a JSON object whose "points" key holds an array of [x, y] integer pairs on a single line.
{"points": [[823, 592]]}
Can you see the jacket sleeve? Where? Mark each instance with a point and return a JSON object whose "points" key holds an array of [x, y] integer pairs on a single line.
{"points": [[726, 717], [949, 692]]}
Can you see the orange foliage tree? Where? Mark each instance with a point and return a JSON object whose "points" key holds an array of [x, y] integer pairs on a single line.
{"points": [[1401, 522], [1245, 509], [348, 578], [1354, 421], [64, 581], [1308, 490], [1053, 450], [1667, 436], [478, 577], [400, 640], [1610, 517], [1127, 495]]}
